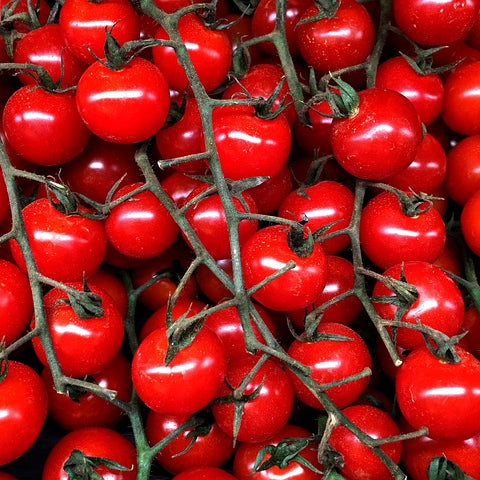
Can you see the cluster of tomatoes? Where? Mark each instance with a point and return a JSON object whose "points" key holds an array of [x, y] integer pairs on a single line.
{"points": [[239, 240]]}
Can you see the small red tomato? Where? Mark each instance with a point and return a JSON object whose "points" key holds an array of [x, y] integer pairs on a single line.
{"points": [[470, 223], [442, 396], [331, 360], [269, 250]]}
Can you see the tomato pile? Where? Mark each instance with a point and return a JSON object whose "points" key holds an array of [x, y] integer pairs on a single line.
{"points": [[240, 240]]}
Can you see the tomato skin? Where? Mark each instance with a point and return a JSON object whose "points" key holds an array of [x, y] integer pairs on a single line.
{"points": [[388, 236], [461, 104], [435, 23], [331, 360], [250, 146], [210, 285], [265, 252], [189, 383], [359, 461], [426, 386], [16, 304], [322, 203], [123, 106], [23, 402], [268, 412], [418, 453], [470, 224], [330, 44], [93, 442], [204, 473], [36, 121], [210, 52], [90, 410], [45, 46], [439, 304], [83, 346], [246, 454], [424, 91], [83, 26], [212, 449], [380, 139], [63, 256], [463, 169], [141, 227]]}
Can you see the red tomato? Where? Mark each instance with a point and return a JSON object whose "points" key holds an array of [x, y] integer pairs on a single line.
{"points": [[178, 186], [65, 247], [329, 44], [93, 442], [123, 106], [95, 171], [435, 23], [442, 396], [23, 403], [43, 127], [82, 346], [189, 382], [331, 360], [16, 305], [45, 46], [89, 410], [246, 455], [340, 279], [265, 253], [461, 104], [41, 7], [84, 25], [439, 304], [425, 91], [250, 146], [418, 453], [208, 219], [470, 223], [6, 476], [264, 415], [463, 169], [390, 235], [210, 285], [204, 473], [427, 171], [140, 227], [359, 461], [323, 203], [212, 447], [380, 138], [210, 52]]}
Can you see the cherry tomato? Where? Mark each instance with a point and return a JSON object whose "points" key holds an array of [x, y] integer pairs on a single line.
{"points": [[16, 305], [140, 227], [390, 235], [179, 186], [43, 127], [439, 304], [208, 219], [358, 460], [264, 415], [210, 285], [246, 455], [323, 203], [331, 359], [65, 247], [211, 445], [265, 253], [189, 382], [425, 91], [84, 25], [469, 222], [87, 409], [439, 395], [107, 280], [210, 52], [23, 403], [123, 106], [380, 139], [329, 44], [461, 104], [93, 442], [435, 23], [82, 346]]}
